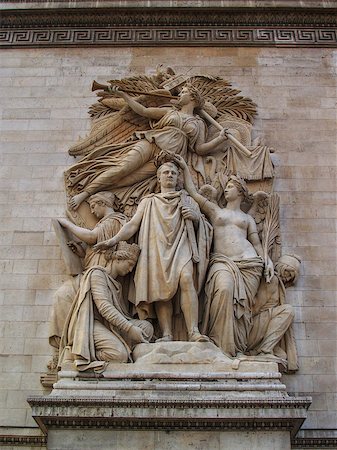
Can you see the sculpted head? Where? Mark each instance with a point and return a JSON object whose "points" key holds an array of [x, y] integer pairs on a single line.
{"points": [[100, 202], [124, 258], [288, 269], [234, 187], [190, 93], [167, 175]]}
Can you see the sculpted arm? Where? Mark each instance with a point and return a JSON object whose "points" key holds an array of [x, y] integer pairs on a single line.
{"points": [[207, 148], [205, 205], [126, 232], [150, 113], [87, 236], [253, 236]]}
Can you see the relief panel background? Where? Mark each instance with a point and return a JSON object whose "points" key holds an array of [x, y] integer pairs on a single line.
{"points": [[45, 95]]}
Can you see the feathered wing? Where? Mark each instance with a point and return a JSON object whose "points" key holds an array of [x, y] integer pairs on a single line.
{"points": [[226, 99], [266, 213], [271, 237], [258, 210]]}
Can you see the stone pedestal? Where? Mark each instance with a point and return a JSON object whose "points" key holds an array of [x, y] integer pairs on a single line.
{"points": [[225, 404]]}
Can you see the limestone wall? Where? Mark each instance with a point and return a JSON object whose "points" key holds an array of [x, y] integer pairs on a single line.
{"points": [[45, 94]]}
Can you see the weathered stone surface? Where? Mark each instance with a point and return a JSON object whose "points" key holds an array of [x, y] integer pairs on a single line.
{"points": [[308, 152]]}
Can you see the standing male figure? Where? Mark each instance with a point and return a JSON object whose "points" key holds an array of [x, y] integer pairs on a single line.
{"points": [[165, 266]]}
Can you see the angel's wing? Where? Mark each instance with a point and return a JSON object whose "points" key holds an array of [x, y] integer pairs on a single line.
{"points": [[258, 209], [271, 236], [266, 213]]}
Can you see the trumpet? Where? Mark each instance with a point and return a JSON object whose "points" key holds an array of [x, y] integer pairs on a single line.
{"points": [[104, 87]]}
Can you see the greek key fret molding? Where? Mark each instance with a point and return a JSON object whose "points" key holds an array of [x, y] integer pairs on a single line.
{"points": [[311, 443], [303, 402], [23, 440], [172, 27]]}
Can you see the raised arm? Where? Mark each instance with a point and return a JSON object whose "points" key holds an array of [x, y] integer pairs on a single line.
{"points": [[87, 236], [126, 232], [150, 113], [205, 205]]}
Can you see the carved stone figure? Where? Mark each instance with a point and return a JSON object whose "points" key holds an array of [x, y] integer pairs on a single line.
{"points": [[173, 130], [110, 222], [168, 246], [98, 328], [235, 266], [191, 286], [129, 130], [271, 332]]}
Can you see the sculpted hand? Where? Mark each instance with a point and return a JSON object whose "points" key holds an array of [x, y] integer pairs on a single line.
{"points": [[189, 213], [104, 245], [269, 270], [223, 134], [115, 90], [180, 161], [76, 248], [136, 334]]}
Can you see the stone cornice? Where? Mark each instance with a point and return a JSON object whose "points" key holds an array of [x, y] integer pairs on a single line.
{"points": [[290, 27], [303, 402], [210, 414]]}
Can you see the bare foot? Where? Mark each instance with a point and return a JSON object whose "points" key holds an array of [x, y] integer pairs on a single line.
{"points": [[78, 199], [197, 337]]}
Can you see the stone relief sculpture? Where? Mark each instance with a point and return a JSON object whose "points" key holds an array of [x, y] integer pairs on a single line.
{"points": [[109, 223], [168, 163], [271, 332], [98, 328], [172, 257], [235, 268]]}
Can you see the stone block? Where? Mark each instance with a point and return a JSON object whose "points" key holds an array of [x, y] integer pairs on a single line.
{"points": [[51, 267], [24, 330], [318, 365], [325, 383], [16, 363], [46, 281], [10, 382], [35, 313], [25, 266], [28, 238], [10, 252], [16, 418], [37, 346], [10, 346], [327, 347], [324, 330], [19, 297], [11, 313]]}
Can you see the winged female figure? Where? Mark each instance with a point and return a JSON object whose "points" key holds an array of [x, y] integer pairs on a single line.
{"points": [[174, 129]]}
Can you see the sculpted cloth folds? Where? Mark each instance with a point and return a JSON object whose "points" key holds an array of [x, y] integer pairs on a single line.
{"points": [[165, 250], [107, 227], [114, 166], [96, 328], [230, 289], [270, 318]]}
